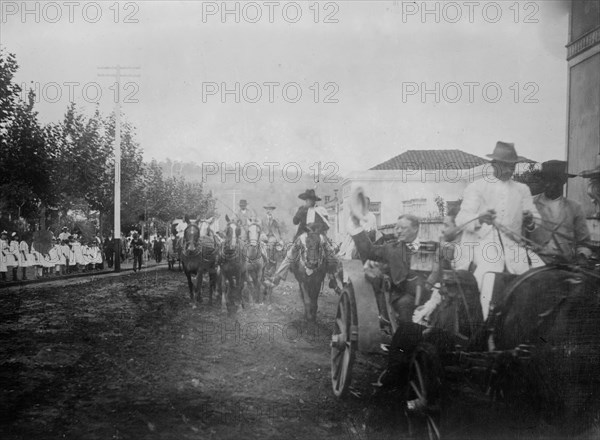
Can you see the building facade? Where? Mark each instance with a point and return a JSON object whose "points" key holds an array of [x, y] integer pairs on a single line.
{"points": [[414, 182], [583, 125]]}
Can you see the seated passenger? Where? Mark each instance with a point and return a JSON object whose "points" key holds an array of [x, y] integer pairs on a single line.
{"points": [[446, 307], [563, 232], [397, 255]]}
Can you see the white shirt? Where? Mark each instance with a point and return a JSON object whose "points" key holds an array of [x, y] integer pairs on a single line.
{"points": [[509, 199], [312, 211]]}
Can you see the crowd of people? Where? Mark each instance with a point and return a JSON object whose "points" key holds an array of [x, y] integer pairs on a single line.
{"points": [[66, 253]]}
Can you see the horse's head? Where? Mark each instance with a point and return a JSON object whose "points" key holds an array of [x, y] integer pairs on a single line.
{"points": [[191, 235], [254, 231], [314, 250], [232, 233]]}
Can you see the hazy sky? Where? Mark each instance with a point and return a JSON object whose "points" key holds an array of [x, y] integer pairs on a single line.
{"points": [[371, 54]]}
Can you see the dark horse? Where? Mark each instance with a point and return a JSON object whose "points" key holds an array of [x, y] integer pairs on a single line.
{"points": [[556, 310], [255, 262], [310, 269], [233, 264], [199, 254]]}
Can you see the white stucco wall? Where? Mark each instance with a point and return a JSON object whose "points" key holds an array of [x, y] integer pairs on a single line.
{"points": [[391, 188]]}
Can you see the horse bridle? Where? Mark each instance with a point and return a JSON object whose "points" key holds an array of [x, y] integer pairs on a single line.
{"points": [[320, 252]]}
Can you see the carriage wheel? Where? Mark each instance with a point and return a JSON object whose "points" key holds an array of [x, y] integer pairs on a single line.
{"points": [[423, 395], [343, 343]]}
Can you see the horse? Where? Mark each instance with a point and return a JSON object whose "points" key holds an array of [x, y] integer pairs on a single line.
{"points": [[233, 264], [310, 270], [255, 262], [545, 324], [555, 311], [199, 253]]}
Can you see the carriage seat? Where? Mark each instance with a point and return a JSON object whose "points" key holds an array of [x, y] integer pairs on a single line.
{"points": [[493, 290]]}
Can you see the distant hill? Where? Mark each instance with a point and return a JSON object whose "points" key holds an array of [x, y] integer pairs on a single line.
{"points": [[258, 188]]}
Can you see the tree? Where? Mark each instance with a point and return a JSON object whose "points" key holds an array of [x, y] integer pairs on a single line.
{"points": [[25, 162], [9, 92]]}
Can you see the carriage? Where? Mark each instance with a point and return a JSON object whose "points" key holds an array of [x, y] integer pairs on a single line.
{"points": [[541, 338]]}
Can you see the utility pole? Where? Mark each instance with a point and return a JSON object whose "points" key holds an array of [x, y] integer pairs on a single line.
{"points": [[233, 192], [117, 151]]}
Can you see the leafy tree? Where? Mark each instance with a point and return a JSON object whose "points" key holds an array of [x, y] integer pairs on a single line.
{"points": [[9, 92], [25, 162]]}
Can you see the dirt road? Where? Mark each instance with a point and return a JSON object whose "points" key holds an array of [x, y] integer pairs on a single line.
{"points": [[128, 358]]}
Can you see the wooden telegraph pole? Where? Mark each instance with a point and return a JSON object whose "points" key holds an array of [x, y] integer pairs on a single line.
{"points": [[117, 151], [233, 192]]}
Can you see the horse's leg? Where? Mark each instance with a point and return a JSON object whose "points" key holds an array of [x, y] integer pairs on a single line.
{"points": [[219, 279], [212, 284], [231, 294], [199, 279], [303, 296], [314, 298], [190, 284]]}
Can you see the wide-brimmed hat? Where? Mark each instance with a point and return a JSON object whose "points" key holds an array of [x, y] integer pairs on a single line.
{"points": [[3, 233], [14, 234], [269, 207], [309, 194], [555, 169], [64, 228], [243, 203], [505, 152]]}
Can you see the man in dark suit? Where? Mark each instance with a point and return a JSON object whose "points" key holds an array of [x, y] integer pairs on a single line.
{"points": [[397, 256]]}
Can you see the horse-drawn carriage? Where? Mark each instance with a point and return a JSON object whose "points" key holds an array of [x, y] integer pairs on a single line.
{"points": [[541, 338]]}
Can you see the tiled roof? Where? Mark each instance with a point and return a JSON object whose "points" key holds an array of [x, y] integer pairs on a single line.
{"points": [[431, 160]]}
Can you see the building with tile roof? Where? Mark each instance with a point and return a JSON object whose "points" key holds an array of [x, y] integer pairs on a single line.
{"points": [[413, 182]]}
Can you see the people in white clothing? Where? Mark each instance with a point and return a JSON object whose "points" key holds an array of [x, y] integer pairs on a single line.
{"points": [[3, 254]]}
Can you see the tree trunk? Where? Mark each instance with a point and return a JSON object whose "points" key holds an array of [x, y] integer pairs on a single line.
{"points": [[43, 218]]}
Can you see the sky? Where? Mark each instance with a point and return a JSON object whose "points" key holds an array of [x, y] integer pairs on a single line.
{"points": [[366, 64]]}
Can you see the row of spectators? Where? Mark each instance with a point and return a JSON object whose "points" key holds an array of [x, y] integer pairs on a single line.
{"points": [[66, 253]]}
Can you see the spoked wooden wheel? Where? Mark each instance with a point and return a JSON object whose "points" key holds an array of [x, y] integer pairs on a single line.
{"points": [[423, 398], [343, 343]]}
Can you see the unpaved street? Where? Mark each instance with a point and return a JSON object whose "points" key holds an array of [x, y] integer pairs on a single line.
{"points": [[128, 358]]}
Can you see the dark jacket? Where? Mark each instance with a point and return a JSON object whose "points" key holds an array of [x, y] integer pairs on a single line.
{"points": [[397, 255], [137, 244], [300, 220]]}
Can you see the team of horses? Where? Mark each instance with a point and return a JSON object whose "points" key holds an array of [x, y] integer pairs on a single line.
{"points": [[236, 259]]}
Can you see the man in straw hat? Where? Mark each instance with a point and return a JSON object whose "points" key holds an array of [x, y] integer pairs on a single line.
{"points": [[563, 230], [309, 218], [500, 206]]}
